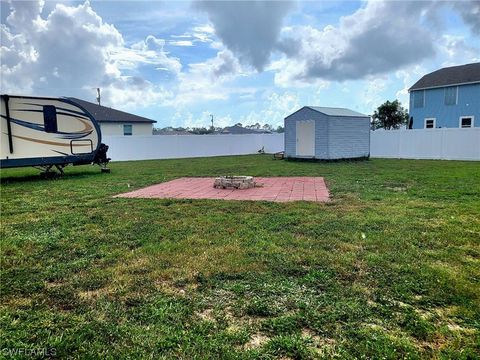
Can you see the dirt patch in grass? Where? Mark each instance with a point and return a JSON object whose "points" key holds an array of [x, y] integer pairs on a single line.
{"points": [[397, 188], [53, 284], [206, 315], [256, 341], [321, 346], [17, 302], [94, 294], [384, 270], [168, 287]]}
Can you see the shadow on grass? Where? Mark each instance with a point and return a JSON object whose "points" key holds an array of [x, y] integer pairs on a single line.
{"points": [[327, 161], [20, 178]]}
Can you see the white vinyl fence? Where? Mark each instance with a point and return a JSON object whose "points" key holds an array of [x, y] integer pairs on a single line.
{"points": [[444, 144], [185, 146]]}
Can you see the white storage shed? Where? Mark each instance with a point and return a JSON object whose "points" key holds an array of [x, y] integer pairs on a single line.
{"points": [[327, 133]]}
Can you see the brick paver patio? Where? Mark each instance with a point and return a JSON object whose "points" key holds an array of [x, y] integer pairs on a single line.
{"points": [[279, 189]]}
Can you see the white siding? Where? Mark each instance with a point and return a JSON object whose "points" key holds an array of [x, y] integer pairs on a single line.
{"points": [[321, 137], [348, 137], [111, 129], [290, 129], [290, 136], [335, 137]]}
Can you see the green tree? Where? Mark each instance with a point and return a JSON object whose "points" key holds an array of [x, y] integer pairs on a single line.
{"points": [[390, 115], [201, 130], [256, 126], [267, 127]]}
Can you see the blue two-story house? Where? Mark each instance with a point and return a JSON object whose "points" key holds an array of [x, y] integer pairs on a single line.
{"points": [[446, 98]]}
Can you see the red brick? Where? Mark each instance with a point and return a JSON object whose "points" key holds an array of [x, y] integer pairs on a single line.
{"points": [[279, 189]]}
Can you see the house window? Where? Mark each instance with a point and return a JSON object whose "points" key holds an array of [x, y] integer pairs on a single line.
{"points": [[430, 123], [466, 121], [127, 129], [419, 99], [451, 94], [50, 119]]}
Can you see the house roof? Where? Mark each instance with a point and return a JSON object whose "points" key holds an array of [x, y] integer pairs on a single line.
{"points": [[105, 114], [235, 129], [333, 111], [454, 75], [170, 132]]}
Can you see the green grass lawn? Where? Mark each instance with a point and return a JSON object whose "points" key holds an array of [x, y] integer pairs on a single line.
{"points": [[390, 268]]}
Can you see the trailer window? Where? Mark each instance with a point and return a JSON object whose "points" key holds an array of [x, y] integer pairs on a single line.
{"points": [[50, 118]]}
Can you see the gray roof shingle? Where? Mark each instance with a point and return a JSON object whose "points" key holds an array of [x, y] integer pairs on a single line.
{"points": [[333, 111], [454, 75], [106, 114]]}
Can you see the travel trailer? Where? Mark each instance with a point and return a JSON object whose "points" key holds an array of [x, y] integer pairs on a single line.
{"points": [[48, 132]]}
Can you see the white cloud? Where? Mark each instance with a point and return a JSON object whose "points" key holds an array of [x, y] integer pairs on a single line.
{"points": [[450, 48], [277, 107], [379, 37], [25, 14], [149, 51], [73, 50], [130, 92], [408, 76], [180, 42], [218, 120], [470, 12], [203, 33], [185, 118], [181, 117], [207, 80], [72, 60], [382, 47], [250, 29], [373, 93], [286, 75], [454, 47], [200, 33]]}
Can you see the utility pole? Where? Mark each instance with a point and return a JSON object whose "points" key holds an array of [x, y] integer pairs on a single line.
{"points": [[213, 129], [98, 96]]}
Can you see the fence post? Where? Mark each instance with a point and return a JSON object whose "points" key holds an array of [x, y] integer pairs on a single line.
{"points": [[400, 139]]}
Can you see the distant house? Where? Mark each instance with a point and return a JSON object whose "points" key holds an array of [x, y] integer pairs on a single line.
{"points": [[170, 132], [237, 129], [116, 122], [327, 133], [447, 98]]}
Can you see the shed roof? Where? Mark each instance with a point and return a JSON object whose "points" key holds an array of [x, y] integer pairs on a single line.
{"points": [[106, 114], [333, 111], [453, 75]]}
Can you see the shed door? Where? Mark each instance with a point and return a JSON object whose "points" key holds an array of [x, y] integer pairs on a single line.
{"points": [[306, 138]]}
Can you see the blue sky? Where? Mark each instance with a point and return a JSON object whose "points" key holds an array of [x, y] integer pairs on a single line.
{"points": [[248, 62]]}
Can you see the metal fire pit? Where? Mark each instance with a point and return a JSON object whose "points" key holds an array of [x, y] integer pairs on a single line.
{"points": [[234, 182]]}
